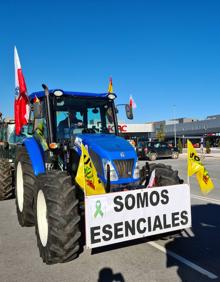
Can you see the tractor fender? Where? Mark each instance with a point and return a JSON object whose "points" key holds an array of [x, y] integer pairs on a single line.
{"points": [[36, 155]]}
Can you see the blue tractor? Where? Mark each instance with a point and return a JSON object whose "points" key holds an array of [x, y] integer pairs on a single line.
{"points": [[46, 164]]}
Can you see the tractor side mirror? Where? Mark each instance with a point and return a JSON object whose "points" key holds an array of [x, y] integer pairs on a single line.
{"points": [[38, 110], [129, 112]]}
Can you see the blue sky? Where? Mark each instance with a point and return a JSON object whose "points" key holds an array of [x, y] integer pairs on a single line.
{"points": [[163, 53]]}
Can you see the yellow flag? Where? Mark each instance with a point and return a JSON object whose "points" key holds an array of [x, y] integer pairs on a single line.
{"points": [[87, 177], [194, 163], [110, 86], [195, 166], [205, 182]]}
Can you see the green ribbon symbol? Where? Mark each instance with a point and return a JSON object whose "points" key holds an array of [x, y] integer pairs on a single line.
{"points": [[98, 209]]}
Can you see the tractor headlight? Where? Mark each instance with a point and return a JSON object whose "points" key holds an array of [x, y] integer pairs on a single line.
{"points": [[58, 93], [111, 96], [113, 174], [136, 173]]}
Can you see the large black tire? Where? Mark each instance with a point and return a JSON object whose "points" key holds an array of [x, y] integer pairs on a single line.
{"points": [[6, 180], [25, 182], [165, 175], [57, 218]]}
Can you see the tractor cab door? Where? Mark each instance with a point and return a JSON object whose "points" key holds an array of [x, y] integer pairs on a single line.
{"points": [[37, 125]]}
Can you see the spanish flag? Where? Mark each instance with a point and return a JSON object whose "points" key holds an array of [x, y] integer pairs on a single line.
{"points": [[195, 166], [110, 86], [87, 177], [36, 100]]}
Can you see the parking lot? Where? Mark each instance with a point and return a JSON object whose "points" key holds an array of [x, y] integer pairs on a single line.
{"points": [[192, 255]]}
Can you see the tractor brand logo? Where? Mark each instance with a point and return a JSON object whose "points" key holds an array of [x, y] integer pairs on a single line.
{"points": [[98, 209], [122, 154]]}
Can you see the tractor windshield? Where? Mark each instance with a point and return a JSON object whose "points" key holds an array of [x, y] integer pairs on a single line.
{"points": [[83, 115]]}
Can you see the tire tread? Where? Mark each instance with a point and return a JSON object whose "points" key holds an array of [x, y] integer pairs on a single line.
{"points": [[63, 218]]}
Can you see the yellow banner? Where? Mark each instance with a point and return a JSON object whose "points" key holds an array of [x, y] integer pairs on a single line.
{"points": [[87, 177], [195, 166], [205, 182], [194, 163]]}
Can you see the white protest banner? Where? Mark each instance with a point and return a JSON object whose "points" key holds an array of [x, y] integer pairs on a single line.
{"points": [[121, 216]]}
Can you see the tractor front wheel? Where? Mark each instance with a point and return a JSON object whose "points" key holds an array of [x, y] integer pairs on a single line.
{"points": [[57, 218]]}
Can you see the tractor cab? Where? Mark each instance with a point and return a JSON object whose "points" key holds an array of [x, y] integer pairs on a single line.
{"points": [[76, 112], [67, 119]]}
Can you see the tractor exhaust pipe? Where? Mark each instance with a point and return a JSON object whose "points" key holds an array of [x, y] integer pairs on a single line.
{"points": [[48, 114]]}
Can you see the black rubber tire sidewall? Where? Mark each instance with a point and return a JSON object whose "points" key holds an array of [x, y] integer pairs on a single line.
{"points": [[63, 243], [165, 175], [26, 217]]}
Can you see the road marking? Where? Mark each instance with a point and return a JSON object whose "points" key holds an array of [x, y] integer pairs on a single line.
{"points": [[187, 233], [206, 199], [183, 260]]}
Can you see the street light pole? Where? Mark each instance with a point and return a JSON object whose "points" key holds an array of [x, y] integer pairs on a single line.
{"points": [[174, 125]]}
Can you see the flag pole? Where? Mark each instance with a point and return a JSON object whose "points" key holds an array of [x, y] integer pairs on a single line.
{"points": [[82, 152], [188, 163]]}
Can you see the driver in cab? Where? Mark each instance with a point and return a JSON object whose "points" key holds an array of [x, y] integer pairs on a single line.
{"points": [[70, 122]]}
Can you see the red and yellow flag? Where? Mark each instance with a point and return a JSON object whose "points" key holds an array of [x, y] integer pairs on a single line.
{"points": [[195, 166]]}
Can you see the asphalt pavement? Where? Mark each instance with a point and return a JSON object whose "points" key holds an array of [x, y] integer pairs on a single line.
{"points": [[192, 255]]}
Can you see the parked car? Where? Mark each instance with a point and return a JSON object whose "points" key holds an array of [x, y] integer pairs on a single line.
{"points": [[154, 150]]}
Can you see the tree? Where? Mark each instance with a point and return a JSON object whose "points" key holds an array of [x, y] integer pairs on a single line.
{"points": [[160, 134], [208, 147], [180, 146]]}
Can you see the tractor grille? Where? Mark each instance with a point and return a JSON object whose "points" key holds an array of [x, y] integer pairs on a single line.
{"points": [[96, 161], [124, 167]]}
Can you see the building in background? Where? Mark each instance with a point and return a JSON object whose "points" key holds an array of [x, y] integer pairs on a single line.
{"points": [[180, 128], [195, 130]]}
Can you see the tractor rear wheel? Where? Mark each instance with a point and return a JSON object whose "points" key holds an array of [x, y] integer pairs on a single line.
{"points": [[57, 218], [6, 185], [165, 175], [25, 182]]}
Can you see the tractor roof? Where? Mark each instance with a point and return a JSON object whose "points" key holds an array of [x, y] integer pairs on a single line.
{"points": [[40, 94]]}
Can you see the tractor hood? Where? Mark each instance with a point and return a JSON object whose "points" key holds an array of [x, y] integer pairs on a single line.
{"points": [[109, 146]]}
